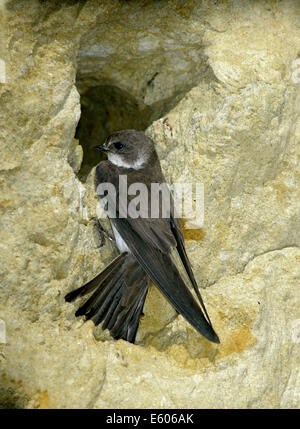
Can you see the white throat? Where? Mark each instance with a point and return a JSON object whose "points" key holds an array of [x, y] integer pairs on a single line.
{"points": [[119, 162]]}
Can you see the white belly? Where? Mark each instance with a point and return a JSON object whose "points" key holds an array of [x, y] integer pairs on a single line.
{"points": [[121, 245]]}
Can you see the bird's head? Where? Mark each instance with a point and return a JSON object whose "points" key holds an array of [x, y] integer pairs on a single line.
{"points": [[128, 149]]}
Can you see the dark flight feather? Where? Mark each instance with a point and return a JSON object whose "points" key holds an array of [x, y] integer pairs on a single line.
{"points": [[118, 301], [96, 281], [163, 272], [175, 226]]}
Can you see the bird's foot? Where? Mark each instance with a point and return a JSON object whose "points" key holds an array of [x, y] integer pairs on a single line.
{"points": [[103, 234]]}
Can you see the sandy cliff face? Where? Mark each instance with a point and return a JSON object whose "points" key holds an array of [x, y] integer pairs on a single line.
{"points": [[217, 86]]}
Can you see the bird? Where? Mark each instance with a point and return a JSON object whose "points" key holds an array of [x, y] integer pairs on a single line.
{"points": [[146, 244]]}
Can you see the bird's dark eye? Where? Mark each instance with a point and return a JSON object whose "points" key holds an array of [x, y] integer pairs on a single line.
{"points": [[118, 145]]}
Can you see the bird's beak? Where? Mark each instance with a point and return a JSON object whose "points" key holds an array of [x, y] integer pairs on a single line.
{"points": [[101, 147]]}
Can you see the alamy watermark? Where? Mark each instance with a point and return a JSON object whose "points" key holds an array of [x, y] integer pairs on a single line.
{"points": [[296, 70], [2, 71], [183, 200], [296, 331], [2, 332]]}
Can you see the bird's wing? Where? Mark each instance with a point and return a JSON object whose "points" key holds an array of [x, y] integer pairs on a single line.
{"points": [[177, 232], [150, 241]]}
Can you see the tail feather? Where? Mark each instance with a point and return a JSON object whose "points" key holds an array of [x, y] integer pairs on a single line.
{"points": [[118, 300], [124, 320], [108, 297], [127, 321], [100, 297], [108, 316], [95, 282], [133, 325]]}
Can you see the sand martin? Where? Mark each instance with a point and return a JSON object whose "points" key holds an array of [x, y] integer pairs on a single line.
{"points": [[146, 245]]}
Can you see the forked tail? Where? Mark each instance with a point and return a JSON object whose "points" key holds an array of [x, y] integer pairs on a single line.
{"points": [[119, 294]]}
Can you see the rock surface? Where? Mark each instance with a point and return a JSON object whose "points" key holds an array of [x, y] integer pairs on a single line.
{"points": [[221, 85]]}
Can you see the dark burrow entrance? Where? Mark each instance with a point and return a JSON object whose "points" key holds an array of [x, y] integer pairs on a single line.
{"points": [[108, 108], [104, 110]]}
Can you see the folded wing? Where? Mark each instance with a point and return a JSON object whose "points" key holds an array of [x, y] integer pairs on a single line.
{"points": [[151, 247]]}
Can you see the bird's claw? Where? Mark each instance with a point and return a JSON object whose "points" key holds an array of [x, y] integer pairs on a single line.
{"points": [[102, 232]]}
